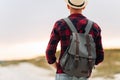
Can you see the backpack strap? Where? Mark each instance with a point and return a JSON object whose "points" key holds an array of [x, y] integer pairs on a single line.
{"points": [[73, 29], [88, 27], [88, 45], [70, 24]]}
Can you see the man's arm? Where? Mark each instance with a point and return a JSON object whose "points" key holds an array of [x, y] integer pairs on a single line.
{"points": [[99, 47], [52, 45]]}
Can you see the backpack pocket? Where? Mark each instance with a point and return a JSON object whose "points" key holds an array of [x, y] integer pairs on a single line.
{"points": [[78, 68]]}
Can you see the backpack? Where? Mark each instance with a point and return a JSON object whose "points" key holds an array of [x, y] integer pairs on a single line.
{"points": [[79, 58]]}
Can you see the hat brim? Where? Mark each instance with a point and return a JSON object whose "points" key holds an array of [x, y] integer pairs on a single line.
{"points": [[77, 6]]}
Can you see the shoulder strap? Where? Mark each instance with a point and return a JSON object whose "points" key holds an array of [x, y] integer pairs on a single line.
{"points": [[70, 24], [88, 27], [73, 29]]}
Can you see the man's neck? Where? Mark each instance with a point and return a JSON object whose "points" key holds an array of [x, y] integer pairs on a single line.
{"points": [[75, 11]]}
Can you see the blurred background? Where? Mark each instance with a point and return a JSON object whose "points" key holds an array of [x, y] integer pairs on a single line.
{"points": [[25, 27]]}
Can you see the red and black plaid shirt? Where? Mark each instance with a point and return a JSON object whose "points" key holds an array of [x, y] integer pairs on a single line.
{"points": [[61, 32]]}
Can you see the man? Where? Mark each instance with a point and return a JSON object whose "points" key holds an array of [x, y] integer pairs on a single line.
{"points": [[61, 32]]}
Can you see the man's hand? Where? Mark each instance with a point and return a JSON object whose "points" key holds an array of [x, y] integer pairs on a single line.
{"points": [[54, 65]]}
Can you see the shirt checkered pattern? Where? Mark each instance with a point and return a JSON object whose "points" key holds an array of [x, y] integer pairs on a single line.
{"points": [[61, 32]]}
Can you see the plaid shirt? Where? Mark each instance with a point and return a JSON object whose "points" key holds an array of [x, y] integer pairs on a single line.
{"points": [[61, 32]]}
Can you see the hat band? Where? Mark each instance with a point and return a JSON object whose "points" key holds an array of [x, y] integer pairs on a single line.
{"points": [[76, 5]]}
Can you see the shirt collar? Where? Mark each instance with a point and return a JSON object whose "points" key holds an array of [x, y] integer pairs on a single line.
{"points": [[77, 15]]}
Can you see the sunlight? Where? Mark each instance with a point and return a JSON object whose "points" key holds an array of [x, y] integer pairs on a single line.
{"points": [[24, 50], [111, 43]]}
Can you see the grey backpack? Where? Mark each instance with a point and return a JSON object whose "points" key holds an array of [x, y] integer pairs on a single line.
{"points": [[79, 58]]}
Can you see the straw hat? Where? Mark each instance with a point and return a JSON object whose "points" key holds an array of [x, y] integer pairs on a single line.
{"points": [[77, 4]]}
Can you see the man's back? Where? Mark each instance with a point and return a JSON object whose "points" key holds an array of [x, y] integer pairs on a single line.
{"points": [[61, 32]]}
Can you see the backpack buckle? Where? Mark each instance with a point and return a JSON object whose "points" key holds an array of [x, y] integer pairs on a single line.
{"points": [[76, 57], [90, 58]]}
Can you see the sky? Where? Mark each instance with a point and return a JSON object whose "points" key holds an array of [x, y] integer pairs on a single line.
{"points": [[25, 25]]}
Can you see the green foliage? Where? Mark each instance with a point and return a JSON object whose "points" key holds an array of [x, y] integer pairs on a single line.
{"points": [[11, 62], [110, 65], [40, 62], [37, 61]]}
